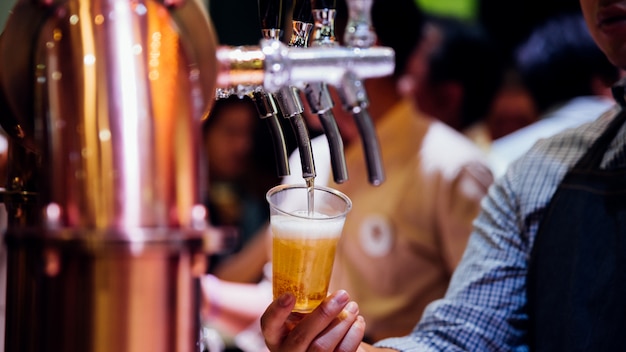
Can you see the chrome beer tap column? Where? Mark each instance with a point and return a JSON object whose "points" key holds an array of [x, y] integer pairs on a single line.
{"points": [[106, 234], [275, 65]]}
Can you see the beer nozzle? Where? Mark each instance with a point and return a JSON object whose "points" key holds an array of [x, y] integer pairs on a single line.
{"points": [[267, 108], [354, 99], [317, 94], [359, 32], [268, 111], [321, 104], [291, 108]]}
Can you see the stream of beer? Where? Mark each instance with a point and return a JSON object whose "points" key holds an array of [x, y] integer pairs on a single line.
{"points": [[310, 182]]}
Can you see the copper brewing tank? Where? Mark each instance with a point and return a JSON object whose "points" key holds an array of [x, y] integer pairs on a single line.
{"points": [[103, 100]]}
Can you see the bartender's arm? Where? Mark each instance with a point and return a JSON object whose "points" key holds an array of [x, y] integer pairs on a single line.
{"points": [[333, 326]]}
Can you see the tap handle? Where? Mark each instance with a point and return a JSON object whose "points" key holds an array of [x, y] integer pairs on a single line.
{"points": [[359, 31], [304, 146], [268, 110], [270, 18], [302, 11], [270, 14], [324, 4], [324, 12], [301, 24]]}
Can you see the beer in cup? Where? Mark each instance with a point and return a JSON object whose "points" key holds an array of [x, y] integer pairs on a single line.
{"points": [[304, 240]]}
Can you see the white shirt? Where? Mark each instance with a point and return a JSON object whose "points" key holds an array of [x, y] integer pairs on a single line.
{"points": [[572, 114]]}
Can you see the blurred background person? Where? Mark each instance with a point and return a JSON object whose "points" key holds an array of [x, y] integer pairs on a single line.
{"points": [[511, 25], [455, 72], [512, 108], [240, 171], [568, 78]]}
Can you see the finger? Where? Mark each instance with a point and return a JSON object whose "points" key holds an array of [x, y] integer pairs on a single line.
{"points": [[337, 331], [273, 321], [354, 336], [293, 319], [316, 322]]}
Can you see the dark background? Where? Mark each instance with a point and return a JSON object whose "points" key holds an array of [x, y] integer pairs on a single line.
{"points": [[509, 21]]}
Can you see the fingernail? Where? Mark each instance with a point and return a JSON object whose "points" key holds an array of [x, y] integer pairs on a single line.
{"points": [[352, 307], [285, 299], [341, 297], [360, 320]]}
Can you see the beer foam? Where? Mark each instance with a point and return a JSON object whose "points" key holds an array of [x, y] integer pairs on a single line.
{"points": [[284, 226]]}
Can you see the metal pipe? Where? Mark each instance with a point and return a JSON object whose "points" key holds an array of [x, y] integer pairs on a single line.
{"points": [[273, 65]]}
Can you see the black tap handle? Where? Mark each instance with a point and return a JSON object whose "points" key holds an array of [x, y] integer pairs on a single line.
{"points": [[270, 14], [302, 11], [324, 4]]}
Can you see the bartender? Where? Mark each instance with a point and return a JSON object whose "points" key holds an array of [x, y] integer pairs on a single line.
{"points": [[544, 267]]}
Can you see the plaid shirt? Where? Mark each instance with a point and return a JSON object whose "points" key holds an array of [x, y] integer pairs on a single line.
{"points": [[485, 306]]}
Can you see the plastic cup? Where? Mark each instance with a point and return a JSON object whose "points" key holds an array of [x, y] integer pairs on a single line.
{"points": [[304, 242]]}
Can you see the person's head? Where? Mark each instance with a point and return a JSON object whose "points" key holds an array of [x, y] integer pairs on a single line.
{"points": [[512, 109], [229, 134], [606, 22], [454, 72], [560, 61]]}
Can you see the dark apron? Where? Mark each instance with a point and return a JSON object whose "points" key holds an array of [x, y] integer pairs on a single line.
{"points": [[577, 272]]}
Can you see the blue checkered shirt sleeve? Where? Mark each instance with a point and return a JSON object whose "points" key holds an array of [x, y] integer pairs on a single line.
{"points": [[484, 308]]}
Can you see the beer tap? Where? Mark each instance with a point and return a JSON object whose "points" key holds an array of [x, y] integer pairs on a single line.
{"points": [[276, 66], [324, 22], [359, 34], [266, 104], [270, 18], [317, 94], [287, 96]]}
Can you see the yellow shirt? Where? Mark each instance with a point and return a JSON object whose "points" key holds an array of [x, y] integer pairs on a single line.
{"points": [[403, 239]]}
